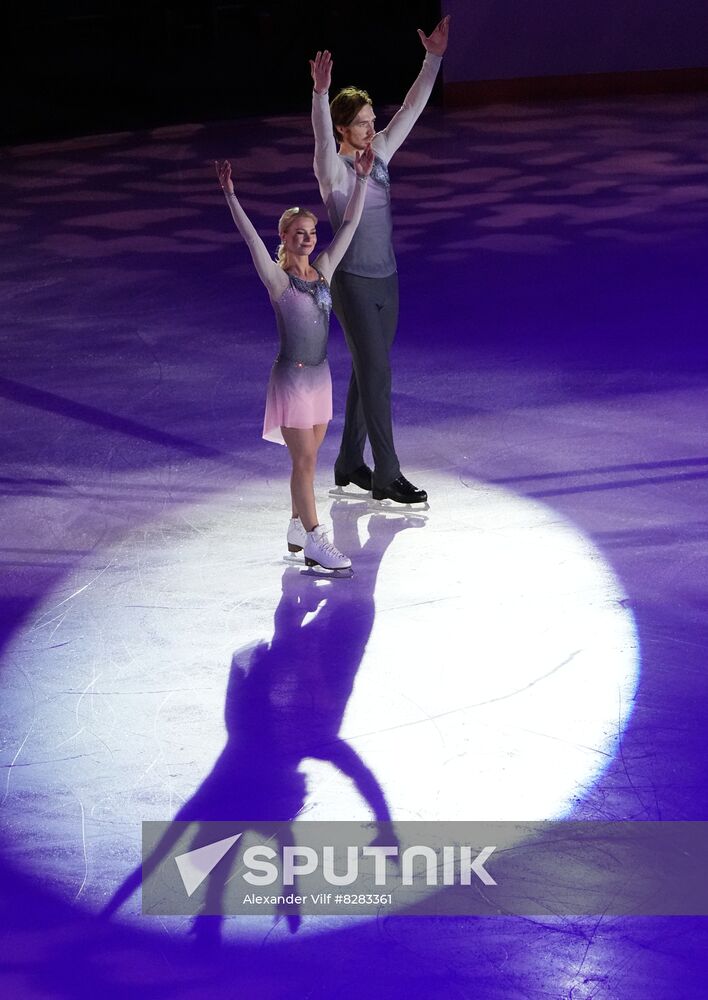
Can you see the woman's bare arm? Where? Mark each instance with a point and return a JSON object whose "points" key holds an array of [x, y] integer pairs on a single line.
{"points": [[270, 273]]}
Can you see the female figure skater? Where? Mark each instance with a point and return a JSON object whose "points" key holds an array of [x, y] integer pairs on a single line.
{"points": [[299, 397]]}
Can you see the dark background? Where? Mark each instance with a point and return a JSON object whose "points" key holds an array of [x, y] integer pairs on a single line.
{"points": [[512, 39], [85, 66]]}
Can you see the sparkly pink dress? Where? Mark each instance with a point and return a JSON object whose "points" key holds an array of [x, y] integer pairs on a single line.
{"points": [[300, 386]]}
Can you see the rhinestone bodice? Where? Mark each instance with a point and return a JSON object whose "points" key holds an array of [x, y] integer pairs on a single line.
{"points": [[302, 314]]}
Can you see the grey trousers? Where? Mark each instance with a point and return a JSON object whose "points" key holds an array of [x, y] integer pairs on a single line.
{"points": [[367, 309]]}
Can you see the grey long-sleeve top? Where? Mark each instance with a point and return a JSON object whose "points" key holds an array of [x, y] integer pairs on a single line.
{"points": [[370, 253]]}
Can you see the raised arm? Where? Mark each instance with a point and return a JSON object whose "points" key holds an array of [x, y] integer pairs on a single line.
{"points": [[327, 261], [347, 760], [389, 139], [272, 276], [327, 165]]}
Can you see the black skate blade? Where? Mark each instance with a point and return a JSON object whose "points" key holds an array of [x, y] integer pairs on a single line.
{"points": [[328, 574]]}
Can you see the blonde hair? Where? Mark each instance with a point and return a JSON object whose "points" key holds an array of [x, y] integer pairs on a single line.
{"points": [[284, 223]]}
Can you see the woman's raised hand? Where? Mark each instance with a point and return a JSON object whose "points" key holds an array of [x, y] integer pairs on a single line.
{"points": [[223, 172], [436, 41], [364, 161], [321, 69]]}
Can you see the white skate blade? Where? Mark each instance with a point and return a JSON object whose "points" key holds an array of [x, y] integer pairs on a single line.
{"points": [[392, 506], [382, 506], [294, 558], [341, 494]]}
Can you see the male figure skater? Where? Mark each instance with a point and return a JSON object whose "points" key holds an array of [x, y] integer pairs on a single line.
{"points": [[365, 285]]}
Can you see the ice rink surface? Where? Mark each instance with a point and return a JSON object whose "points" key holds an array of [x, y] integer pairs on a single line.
{"points": [[533, 646]]}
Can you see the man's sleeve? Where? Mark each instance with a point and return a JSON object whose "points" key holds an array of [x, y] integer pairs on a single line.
{"points": [[388, 141], [326, 160]]}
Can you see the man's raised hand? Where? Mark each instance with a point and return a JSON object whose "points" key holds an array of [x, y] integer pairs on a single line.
{"points": [[436, 41], [321, 69], [223, 172], [364, 161]]}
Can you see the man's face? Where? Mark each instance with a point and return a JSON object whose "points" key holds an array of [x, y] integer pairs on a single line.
{"points": [[359, 133]]}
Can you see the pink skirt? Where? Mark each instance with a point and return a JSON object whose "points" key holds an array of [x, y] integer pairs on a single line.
{"points": [[298, 396]]}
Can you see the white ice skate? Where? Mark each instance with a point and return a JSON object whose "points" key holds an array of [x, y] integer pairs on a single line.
{"points": [[319, 552], [297, 536]]}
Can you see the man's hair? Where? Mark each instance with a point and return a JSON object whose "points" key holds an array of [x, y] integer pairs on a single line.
{"points": [[346, 106]]}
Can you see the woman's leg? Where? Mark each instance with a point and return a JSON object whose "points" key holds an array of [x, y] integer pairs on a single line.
{"points": [[320, 431], [303, 444]]}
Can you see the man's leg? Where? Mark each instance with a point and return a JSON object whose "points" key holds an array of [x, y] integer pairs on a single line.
{"points": [[367, 308], [389, 309], [351, 450]]}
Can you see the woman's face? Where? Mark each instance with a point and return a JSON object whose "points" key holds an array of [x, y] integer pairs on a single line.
{"points": [[300, 238]]}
